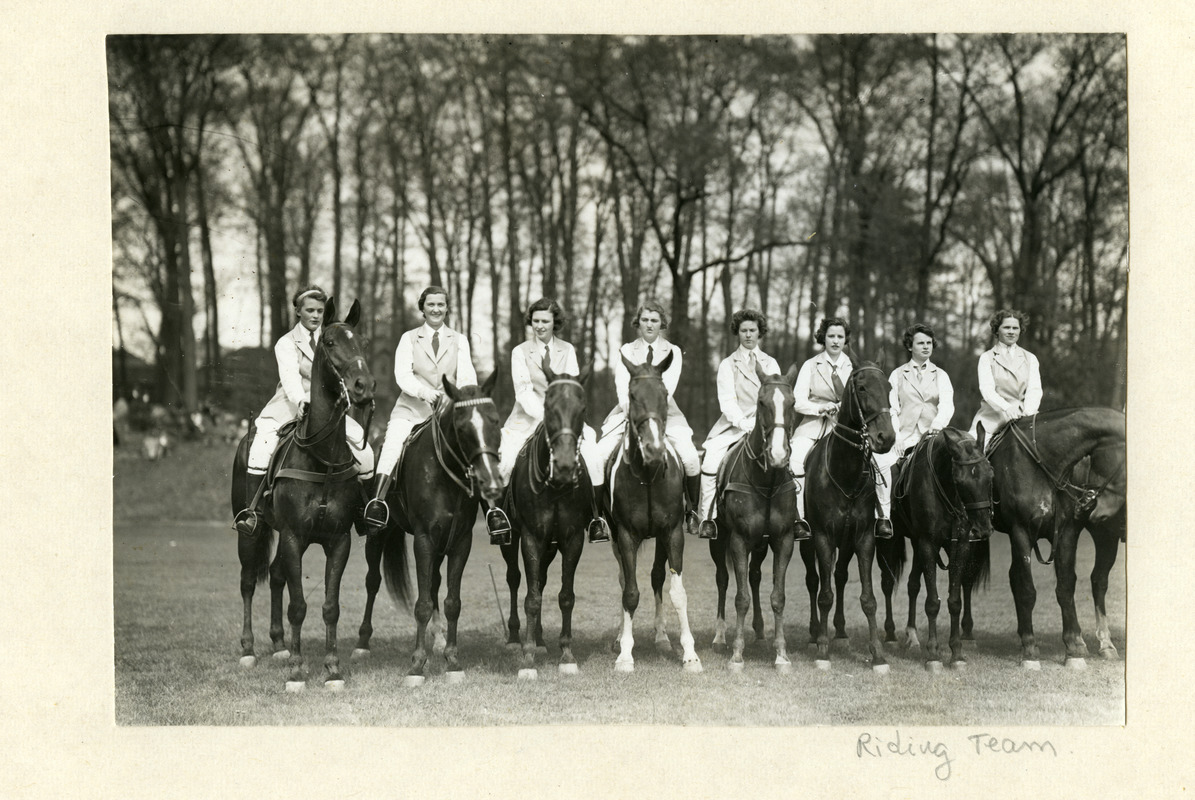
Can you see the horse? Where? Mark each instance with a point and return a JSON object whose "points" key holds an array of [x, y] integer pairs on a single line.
{"points": [[757, 503], [315, 501], [449, 461], [1036, 497], [549, 501], [942, 499], [647, 500], [840, 508]]}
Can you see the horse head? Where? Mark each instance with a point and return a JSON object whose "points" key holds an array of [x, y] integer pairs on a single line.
{"points": [[564, 418], [647, 411], [776, 414], [971, 473], [865, 405], [474, 420], [340, 365]]}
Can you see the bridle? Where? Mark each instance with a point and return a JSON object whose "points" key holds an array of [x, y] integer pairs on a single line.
{"points": [[632, 427], [539, 480], [957, 510], [841, 428], [444, 450], [340, 408]]}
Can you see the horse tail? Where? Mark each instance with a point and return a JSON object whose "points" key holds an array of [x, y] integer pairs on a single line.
{"points": [[892, 556], [394, 567], [978, 569], [240, 463]]}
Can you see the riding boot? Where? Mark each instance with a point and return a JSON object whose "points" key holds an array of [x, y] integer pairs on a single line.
{"points": [[692, 502], [377, 513], [498, 524], [883, 529], [801, 531], [709, 528], [248, 520]]}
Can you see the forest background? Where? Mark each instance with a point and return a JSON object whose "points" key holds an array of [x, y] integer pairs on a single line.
{"points": [[885, 178]]}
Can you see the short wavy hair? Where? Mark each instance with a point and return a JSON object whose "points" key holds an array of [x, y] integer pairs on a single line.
{"points": [[829, 322], [312, 291], [550, 305], [433, 290], [651, 304], [916, 328], [749, 315], [1003, 314]]}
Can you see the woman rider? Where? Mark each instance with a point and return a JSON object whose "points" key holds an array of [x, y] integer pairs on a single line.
{"points": [[423, 357], [546, 319], [295, 353], [738, 397], [1009, 376]]}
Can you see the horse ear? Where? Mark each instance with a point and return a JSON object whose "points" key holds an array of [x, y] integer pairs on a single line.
{"points": [[354, 315], [759, 372], [450, 389], [790, 376], [487, 388], [850, 353], [547, 368], [626, 363], [330, 311], [665, 362]]}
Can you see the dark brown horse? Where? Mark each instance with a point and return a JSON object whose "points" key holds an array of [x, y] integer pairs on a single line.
{"points": [[757, 503], [448, 463], [549, 502], [942, 500], [314, 501], [840, 503], [1039, 494], [648, 501]]}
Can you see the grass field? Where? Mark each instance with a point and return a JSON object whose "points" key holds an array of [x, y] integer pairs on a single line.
{"points": [[178, 615]]}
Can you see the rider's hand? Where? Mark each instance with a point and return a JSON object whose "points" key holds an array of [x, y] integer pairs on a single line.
{"points": [[828, 409], [303, 408]]}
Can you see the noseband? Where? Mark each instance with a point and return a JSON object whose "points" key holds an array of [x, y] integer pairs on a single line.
{"points": [[341, 406], [443, 447]]}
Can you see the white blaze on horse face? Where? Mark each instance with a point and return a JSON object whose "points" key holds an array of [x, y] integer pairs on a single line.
{"points": [[653, 425], [778, 437], [475, 419]]}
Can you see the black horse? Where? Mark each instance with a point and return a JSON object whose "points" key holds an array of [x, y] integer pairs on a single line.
{"points": [[841, 498], [757, 503], [549, 502], [315, 500], [449, 461], [1039, 494], [648, 501], [942, 500]]}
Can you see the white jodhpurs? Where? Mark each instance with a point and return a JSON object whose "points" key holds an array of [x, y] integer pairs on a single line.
{"points": [[513, 441], [397, 431], [883, 479], [265, 442], [715, 453], [605, 448]]}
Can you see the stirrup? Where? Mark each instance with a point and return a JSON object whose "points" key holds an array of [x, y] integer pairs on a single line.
{"points": [[499, 526], [246, 521], [801, 531], [692, 523], [372, 522], [883, 528], [598, 531], [708, 529]]}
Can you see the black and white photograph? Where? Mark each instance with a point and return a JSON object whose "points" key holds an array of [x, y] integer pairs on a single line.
{"points": [[597, 402]]}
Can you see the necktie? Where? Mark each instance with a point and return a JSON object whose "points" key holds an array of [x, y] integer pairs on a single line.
{"points": [[650, 354], [547, 356], [837, 381], [436, 343], [312, 337]]}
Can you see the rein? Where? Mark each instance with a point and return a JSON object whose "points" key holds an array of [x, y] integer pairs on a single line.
{"points": [[443, 447], [864, 445], [957, 510]]}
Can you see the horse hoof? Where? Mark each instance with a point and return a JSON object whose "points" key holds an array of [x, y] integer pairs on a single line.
{"points": [[438, 646], [784, 667], [958, 666], [281, 655], [455, 676], [881, 669], [693, 666], [624, 666], [513, 646], [933, 666], [248, 662], [568, 669], [719, 638], [412, 681], [912, 641], [334, 685], [296, 686], [1076, 663], [528, 674], [542, 649], [664, 645], [822, 664], [1032, 665], [1110, 653], [359, 654], [736, 666]]}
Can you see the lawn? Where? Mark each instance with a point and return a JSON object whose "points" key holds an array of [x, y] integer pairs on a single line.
{"points": [[178, 614]]}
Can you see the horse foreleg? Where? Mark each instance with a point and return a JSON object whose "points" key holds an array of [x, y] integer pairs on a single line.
{"points": [[722, 580], [547, 554], [968, 622], [841, 575], [865, 544], [886, 554], [680, 599], [954, 601], [933, 603], [570, 556], [1065, 546], [812, 585], [533, 604], [782, 553], [291, 554], [277, 628], [737, 550], [658, 566], [825, 596], [249, 549], [1106, 546], [755, 575], [1020, 579], [373, 583], [423, 608], [336, 556], [437, 622], [914, 588], [510, 554], [457, 557], [627, 546]]}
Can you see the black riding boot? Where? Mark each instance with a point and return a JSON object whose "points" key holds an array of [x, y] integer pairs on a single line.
{"points": [[883, 528], [498, 525], [248, 520], [692, 503], [377, 513], [599, 529], [801, 530]]}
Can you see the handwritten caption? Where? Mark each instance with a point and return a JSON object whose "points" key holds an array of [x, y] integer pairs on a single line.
{"points": [[939, 753]]}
